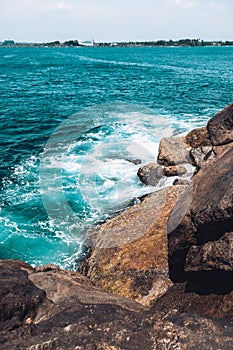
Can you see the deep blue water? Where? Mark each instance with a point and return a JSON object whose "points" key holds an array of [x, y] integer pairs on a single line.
{"points": [[71, 122]]}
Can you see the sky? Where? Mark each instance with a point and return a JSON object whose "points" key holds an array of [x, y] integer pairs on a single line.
{"points": [[115, 20]]}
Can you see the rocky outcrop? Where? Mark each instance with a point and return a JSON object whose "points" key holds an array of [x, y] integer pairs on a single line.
{"points": [[129, 257], [200, 234], [173, 151], [71, 314], [220, 127]]}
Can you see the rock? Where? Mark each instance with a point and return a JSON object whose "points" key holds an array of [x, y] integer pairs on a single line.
{"points": [[180, 297], [130, 253], [211, 255], [201, 156], [19, 297], [198, 137], [74, 315], [220, 127], [181, 182], [173, 151], [203, 214], [174, 170], [150, 174], [135, 161]]}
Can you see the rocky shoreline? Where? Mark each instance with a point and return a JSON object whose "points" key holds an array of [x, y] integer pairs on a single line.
{"points": [[159, 275]]}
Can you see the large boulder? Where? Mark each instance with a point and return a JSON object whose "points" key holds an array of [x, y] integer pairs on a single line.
{"points": [[129, 257], [220, 127], [173, 151], [200, 227]]}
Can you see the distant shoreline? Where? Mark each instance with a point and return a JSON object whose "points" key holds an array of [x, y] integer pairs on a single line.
{"points": [[158, 43]]}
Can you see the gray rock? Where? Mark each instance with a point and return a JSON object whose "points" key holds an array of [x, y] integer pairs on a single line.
{"points": [[220, 127], [201, 156], [150, 174], [173, 151]]}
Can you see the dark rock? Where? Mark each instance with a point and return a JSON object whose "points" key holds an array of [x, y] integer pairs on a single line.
{"points": [[75, 315], [19, 297], [174, 170], [173, 151], [198, 137], [150, 174], [182, 298], [181, 182], [220, 127], [135, 161], [204, 214], [211, 255]]}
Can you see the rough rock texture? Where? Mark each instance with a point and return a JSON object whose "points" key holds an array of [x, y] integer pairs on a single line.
{"points": [[174, 170], [212, 255], [198, 137], [150, 174], [135, 266], [204, 215], [173, 151], [201, 155], [220, 127], [71, 314]]}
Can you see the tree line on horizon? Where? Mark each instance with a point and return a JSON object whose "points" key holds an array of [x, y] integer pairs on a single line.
{"points": [[76, 43]]}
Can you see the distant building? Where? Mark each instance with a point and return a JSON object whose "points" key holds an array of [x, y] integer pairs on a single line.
{"points": [[86, 43], [8, 42]]}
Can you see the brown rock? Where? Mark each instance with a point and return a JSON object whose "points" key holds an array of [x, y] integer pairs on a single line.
{"points": [[19, 297], [173, 151], [198, 137], [174, 170], [211, 255], [204, 214], [220, 127], [150, 174], [74, 315], [130, 256], [181, 298]]}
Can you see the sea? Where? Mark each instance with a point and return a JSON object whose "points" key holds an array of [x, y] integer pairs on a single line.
{"points": [[77, 123]]}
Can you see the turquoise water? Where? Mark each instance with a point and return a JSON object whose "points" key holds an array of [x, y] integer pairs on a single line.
{"points": [[74, 120]]}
